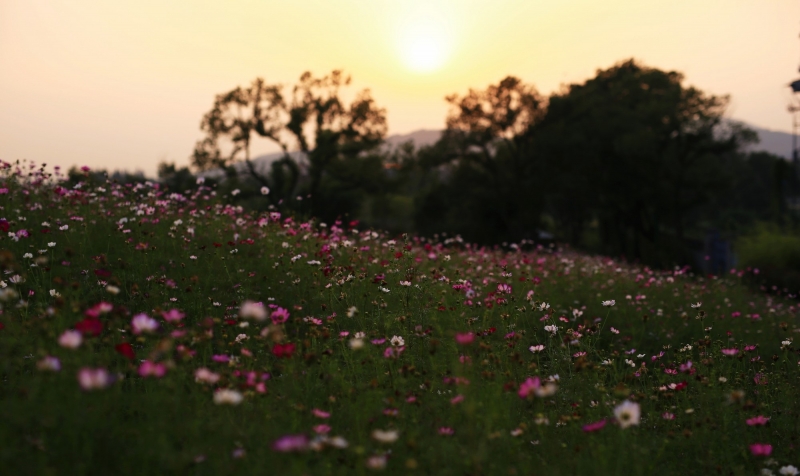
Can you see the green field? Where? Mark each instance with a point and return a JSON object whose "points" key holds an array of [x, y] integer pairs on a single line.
{"points": [[132, 342]]}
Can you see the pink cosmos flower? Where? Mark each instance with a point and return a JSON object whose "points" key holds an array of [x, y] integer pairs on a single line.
{"points": [[288, 443], [70, 339], [457, 399], [320, 413], [730, 352], [668, 416], [761, 449], [143, 323], [464, 338], [173, 315], [757, 420], [321, 429], [279, 316], [446, 431], [393, 352], [150, 369], [529, 386], [93, 379], [596, 426], [203, 375]]}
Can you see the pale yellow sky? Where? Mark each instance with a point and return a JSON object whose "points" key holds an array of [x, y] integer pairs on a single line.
{"points": [[123, 84]]}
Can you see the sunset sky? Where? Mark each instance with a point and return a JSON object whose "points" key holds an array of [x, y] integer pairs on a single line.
{"points": [[121, 84]]}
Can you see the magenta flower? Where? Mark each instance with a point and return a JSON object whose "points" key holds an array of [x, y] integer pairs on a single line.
{"points": [[757, 420], [393, 352], [596, 426], [457, 399], [529, 386], [94, 379], [279, 316], [464, 338], [761, 449], [446, 431], [320, 413], [322, 429], [150, 369], [288, 443], [173, 315]]}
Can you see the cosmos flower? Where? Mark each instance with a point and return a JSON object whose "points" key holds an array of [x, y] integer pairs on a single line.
{"points": [[609, 303], [596, 426], [397, 341], [94, 379], [70, 339], [464, 338], [290, 443], [151, 369], [385, 436], [226, 396], [279, 316], [757, 420], [203, 375], [49, 363], [253, 310], [627, 414], [761, 449], [143, 323], [536, 348]]}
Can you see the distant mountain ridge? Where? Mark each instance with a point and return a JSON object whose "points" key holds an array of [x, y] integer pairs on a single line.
{"points": [[774, 142]]}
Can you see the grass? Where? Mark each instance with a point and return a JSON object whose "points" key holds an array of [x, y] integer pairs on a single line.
{"points": [[462, 394]]}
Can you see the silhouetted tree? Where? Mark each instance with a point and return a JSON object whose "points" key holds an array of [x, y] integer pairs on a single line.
{"points": [[490, 191], [636, 150], [312, 119]]}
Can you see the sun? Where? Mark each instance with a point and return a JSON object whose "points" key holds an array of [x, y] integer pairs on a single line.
{"points": [[424, 43]]}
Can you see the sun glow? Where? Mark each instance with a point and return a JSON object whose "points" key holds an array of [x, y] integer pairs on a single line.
{"points": [[424, 41]]}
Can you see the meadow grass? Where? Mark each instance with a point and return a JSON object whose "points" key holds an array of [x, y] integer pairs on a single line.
{"points": [[152, 333]]}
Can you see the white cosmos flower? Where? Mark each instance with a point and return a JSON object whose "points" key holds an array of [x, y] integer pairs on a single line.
{"points": [[264, 190], [385, 436], [609, 303], [70, 339], [398, 341], [227, 396], [253, 310], [627, 413]]}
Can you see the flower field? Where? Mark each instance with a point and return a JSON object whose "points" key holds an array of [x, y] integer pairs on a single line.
{"points": [[144, 332]]}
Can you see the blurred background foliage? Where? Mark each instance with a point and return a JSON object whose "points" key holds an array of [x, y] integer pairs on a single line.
{"points": [[631, 163]]}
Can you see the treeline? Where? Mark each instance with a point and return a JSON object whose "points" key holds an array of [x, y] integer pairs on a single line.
{"points": [[631, 163]]}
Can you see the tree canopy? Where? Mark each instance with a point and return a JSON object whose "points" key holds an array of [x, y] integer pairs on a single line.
{"points": [[312, 118]]}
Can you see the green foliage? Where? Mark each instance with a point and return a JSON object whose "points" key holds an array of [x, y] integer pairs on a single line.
{"points": [[776, 255]]}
